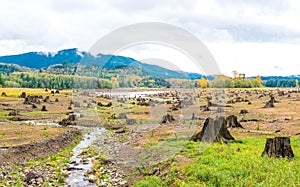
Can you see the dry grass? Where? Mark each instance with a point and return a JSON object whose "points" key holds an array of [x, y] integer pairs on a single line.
{"points": [[14, 134]]}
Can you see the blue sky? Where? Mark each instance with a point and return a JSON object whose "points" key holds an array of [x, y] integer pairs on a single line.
{"points": [[252, 37]]}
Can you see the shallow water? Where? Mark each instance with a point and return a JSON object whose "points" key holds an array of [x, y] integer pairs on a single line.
{"points": [[2, 150], [42, 123], [76, 176], [131, 94]]}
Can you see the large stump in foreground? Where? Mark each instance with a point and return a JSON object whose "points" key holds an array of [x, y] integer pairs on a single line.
{"points": [[278, 147], [214, 130]]}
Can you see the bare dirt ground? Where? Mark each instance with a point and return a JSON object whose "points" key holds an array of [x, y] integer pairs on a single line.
{"points": [[140, 139]]}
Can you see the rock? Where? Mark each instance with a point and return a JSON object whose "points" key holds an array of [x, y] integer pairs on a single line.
{"points": [[84, 161], [121, 130], [92, 179], [131, 121], [31, 175], [39, 180], [122, 116]]}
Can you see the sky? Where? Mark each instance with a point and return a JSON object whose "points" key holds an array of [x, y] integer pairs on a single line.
{"points": [[252, 37]]}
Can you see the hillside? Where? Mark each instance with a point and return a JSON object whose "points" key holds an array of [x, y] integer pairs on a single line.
{"points": [[39, 60]]}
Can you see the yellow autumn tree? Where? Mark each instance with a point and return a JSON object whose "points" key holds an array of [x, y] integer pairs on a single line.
{"points": [[297, 83], [258, 78], [203, 82]]}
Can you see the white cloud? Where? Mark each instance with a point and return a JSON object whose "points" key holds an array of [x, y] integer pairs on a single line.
{"points": [[225, 26], [257, 58]]}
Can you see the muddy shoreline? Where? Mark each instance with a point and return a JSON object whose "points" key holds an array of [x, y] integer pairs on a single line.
{"points": [[39, 149]]}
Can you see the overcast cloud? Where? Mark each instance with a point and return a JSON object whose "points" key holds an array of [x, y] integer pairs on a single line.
{"points": [[265, 34]]}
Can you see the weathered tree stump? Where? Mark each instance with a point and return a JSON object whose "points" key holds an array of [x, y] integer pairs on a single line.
{"points": [[23, 95], [214, 130], [278, 147], [31, 99], [167, 119], [77, 104], [232, 122], [194, 116], [270, 104], [14, 113], [47, 99], [204, 108], [244, 111], [44, 108], [68, 121]]}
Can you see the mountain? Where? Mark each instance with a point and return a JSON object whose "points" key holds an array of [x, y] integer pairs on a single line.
{"points": [[39, 60]]}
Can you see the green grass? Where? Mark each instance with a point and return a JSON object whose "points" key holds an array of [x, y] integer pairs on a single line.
{"points": [[231, 165], [53, 163]]}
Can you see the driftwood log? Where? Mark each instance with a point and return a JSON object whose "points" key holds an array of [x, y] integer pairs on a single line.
{"points": [[214, 130], [278, 147]]}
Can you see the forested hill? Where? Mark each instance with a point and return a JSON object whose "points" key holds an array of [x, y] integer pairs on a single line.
{"points": [[40, 60]]}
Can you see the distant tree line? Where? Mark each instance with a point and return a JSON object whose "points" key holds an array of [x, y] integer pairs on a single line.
{"points": [[280, 82], [60, 81]]}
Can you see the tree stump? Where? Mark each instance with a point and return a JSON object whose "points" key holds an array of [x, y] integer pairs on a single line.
{"points": [[47, 99], [278, 147], [270, 104], [214, 130], [68, 121], [243, 111], [44, 108], [14, 113], [167, 119], [232, 122], [23, 95]]}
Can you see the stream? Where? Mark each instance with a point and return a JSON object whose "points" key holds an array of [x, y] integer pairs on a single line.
{"points": [[78, 167]]}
